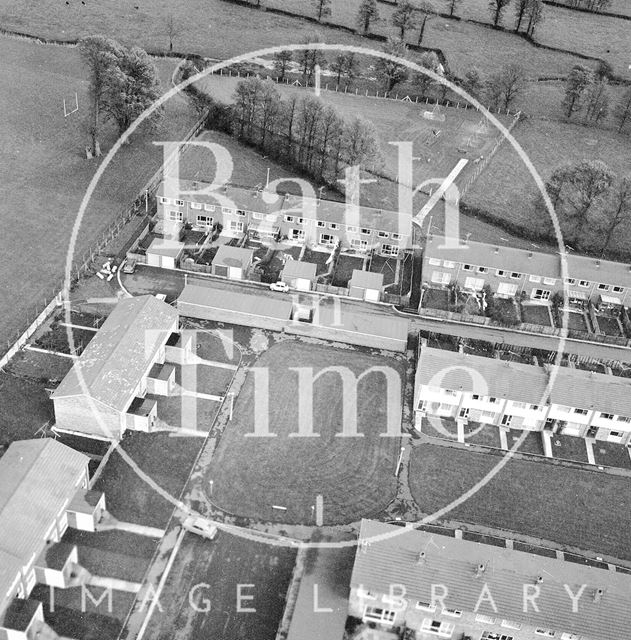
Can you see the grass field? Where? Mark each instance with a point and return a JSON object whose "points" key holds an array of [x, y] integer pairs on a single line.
{"points": [[220, 566], [583, 509], [44, 174], [355, 475]]}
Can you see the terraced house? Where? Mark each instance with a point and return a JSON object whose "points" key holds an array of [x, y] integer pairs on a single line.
{"points": [[470, 388], [536, 275], [265, 215], [425, 585]]}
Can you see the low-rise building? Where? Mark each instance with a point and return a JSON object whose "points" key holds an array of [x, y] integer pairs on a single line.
{"points": [[43, 491], [103, 394], [465, 387], [299, 275], [232, 262], [427, 585], [165, 253], [533, 274], [366, 285]]}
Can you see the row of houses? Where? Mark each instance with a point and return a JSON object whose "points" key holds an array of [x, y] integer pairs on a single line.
{"points": [[420, 585], [267, 215], [471, 388], [514, 272], [44, 489]]}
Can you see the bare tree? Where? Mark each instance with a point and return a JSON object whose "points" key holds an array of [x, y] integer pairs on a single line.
{"points": [[282, 60], [622, 111], [323, 8], [388, 71], [580, 78], [620, 208], [173, 29], [497, 9], [426, 10], [404, 18], [367, 14], [597, 104], [452, 4]]}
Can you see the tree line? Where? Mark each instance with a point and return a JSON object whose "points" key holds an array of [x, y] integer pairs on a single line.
{"points": [[123, 83], [301, 130], [592, 203]]}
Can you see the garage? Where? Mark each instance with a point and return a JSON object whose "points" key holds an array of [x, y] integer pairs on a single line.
{"points": [[299, 275], [164, 253], [366, 285]]}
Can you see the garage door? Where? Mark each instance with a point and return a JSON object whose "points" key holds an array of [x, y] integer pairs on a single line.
{"points": [[372, 295], [167, 262], [153, 260], [303, 284]]}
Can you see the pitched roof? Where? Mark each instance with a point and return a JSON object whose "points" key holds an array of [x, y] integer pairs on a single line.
{"points": [[496, 378], [366, 279], [391, 556], [112, 365], [37, 479], [299, 269], [233, 256], [247, 303], [540, 263], [524, 382]]}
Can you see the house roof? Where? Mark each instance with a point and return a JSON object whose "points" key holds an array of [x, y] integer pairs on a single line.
{"points": [[524, 382], [166, 247], [490, 377], [239, 302], [366, 279], [233, 257], [20, 613], [540, 263], [341, 213], [114, 362], [361, 322], [299, 269], [391, 555], [38, 478]]}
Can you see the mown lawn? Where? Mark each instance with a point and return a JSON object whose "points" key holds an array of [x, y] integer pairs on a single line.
{"points": [[573, 507], [355, 475]]}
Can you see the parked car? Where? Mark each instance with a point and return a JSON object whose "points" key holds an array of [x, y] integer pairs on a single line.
{"points": [[161, 296], [279, 286], [200, 526], [130, 266]]}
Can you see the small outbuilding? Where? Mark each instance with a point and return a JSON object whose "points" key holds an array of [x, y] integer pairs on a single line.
{"points": [[299, 275], [366, 285], [165, 253], [232, 262]]}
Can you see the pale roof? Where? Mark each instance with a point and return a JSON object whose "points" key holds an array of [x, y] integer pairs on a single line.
{"points": [[530, 262], [299, 269], [114, 362], [228, 256], [240, 302], [37, 479], [395, 559], [165, 247], [366, 279], [361, 322]]}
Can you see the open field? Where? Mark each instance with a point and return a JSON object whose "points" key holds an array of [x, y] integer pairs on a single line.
{"points": [[219, 567], [167, 461], [355, 475], [45, 172], [532, 498]]}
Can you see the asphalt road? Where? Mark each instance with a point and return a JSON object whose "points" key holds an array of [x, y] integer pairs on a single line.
{"points": [[154, 280]]}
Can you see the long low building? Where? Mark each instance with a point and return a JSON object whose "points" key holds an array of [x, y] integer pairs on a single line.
{"points": [[324, 318], [439, 586], [571, 401]]}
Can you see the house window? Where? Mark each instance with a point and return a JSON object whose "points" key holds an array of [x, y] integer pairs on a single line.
{"points": [[570, 636], [439, 277], [515, 275], [333, 225], [570, 281], [359, 244], [506, 420], [616, 434], [493, 400], [618, 289], [258, 216], [209, 207], [383, 234], [535, 407], [508, 624], [475, 396], [454, 613], [164, 201], [540, 294], [204, 221], [581, 412], [366, 232], [474, 283], [549, 281], [291, 219], [464, 413], [297, 234], [175, 215], [491, 635], [179, 203], [227, 210], [389, 250], [377, 614], [240, 212], [545, 632], [426, 606], [486, 619], [607, 416], [395, 236], [603, 287], [196, 205], [440, 628], [351, 229], [326, 238], [506, 289], [236, 225], [500, 272], [534, 278], [583, 283], [321, 224], [448, 264], [467, 267], [483, 270], [434, 262], [624, 419], [450, 392]]}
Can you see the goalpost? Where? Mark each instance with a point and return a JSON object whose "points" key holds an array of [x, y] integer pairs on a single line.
{"points": [[435, 114], [73, 107]]}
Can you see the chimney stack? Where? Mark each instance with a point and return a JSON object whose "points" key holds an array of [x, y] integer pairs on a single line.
{"points": [[480, 569]]}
